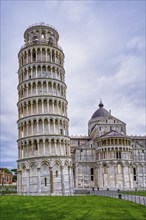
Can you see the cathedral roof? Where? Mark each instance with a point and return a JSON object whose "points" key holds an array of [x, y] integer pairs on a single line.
{"points": [[113, 134], [100, 112]]}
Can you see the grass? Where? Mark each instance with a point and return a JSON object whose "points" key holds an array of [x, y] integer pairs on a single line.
{"points": [[137, 193], [69, 208]]}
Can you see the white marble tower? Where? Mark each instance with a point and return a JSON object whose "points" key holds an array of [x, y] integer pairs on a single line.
{"points": [[44, 160]]}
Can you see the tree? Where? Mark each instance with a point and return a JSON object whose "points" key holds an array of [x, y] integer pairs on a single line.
{"points": [[14, 171]]}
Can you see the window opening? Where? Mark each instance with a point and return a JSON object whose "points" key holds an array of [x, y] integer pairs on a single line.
{"points": [[134, 174], [119, 154], [56, 173], [34, 56], [45, 181], [105, 169], [43, 36], [92, 174]]}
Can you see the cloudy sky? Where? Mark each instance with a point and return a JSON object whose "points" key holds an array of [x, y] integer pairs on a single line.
{"points": [[104, 46]]}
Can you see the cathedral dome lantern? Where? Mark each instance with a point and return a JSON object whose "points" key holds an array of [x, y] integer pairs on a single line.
{"points": [[100, 112]]}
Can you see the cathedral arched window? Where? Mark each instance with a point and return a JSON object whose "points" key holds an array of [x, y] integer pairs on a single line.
{"points": [[42, 35], [56, 173], [104, 169], [134, 174], [92, 174], [45, 181]]}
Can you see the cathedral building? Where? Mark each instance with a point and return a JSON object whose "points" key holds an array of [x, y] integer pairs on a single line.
{"points": [[49, 161], [108, 159]]}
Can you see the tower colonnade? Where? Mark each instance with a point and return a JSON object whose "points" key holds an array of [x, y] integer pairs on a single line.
{"points": [[41, 87], [41, 105], [40, 70], [37, 147], [42, 126], [41, 54]]}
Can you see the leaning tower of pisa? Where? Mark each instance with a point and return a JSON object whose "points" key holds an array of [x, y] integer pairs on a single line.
{"points": [[44, 160]]}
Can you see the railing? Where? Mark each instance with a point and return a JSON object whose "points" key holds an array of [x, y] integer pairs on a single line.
{"points": [[8, 190], [41, 42], [85, 158], [133, 198], [42, 24]]}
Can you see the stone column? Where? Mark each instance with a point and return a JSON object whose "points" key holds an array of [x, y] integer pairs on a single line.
{"points": [[115, 172], [55, 147], [41, 54], [38, 148], [36, 55], [42, 107], [27, 108], [44, 147], [32, 127], [31, 56], [39, 180], [37, 108], [143, 175], [19, 182], [53, 126], [50, 56], [22, 151], [129, 173], [71, 179], [27, 150], [31, 108], [27, 91], [43, 126], [27, 170], [62, 180], [45, 54], [37, 127], [36, 75], [123, 175], [49, 147], [53, 107], [27, 128], [51, 181], [19, 152], [101, 185], [47, 106]]}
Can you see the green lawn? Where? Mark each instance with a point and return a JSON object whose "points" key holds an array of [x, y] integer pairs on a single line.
{"points": [[69, 208], [138, 193]]}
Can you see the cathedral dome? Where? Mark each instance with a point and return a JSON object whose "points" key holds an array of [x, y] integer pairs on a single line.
{"points": [[100, 112]]}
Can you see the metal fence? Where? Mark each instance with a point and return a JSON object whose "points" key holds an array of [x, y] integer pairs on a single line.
{"points": [[133, 198]]}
